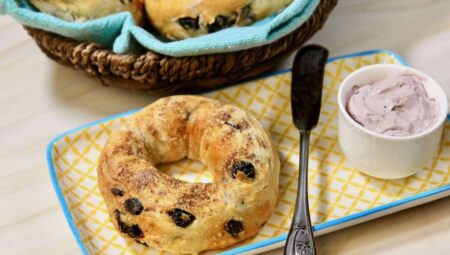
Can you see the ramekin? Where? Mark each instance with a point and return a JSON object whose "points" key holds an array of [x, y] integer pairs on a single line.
{"points": [[383, 156]]}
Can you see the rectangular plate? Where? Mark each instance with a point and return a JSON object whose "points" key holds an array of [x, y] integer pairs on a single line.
{"points": [[339, 195]]}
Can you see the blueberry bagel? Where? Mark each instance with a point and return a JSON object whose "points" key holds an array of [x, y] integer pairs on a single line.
{"points": [[180, 19], [83, 10], [158, 210]]}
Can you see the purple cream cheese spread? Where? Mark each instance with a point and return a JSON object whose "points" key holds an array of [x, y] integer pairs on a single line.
{"points": [[397, 106]]}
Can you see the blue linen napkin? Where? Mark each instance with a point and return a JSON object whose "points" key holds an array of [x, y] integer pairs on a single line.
{"points": [[120, 33]]}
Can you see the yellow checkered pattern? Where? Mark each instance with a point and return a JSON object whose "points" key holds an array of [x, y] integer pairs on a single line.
{"points": [[335, 190]]}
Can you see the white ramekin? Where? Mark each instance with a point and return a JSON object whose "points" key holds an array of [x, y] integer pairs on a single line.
{"points": [[384, 156]]}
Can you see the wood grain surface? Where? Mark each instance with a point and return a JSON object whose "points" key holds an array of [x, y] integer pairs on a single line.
{"points": [[40, 99]]}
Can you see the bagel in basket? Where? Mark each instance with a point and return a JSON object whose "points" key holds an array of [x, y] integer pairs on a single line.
{"points": [[180, 19], [156, 209], [83, 10]]}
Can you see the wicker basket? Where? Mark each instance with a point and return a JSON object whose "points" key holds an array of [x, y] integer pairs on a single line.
{"points": [[160, 74]]}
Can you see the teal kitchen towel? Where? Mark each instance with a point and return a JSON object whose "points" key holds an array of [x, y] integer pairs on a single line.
{"points": [[120, 33]]}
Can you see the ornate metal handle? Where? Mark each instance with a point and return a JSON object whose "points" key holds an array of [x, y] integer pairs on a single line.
{"points": [[300, 240]]}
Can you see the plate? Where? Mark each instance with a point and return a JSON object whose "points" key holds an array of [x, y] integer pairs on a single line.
{"points": [[339, 196]]}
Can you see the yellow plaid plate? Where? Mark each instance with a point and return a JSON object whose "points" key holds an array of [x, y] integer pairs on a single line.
{"points": [[339, 195]]}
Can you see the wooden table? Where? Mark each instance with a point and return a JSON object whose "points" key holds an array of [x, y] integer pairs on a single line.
{"points": [[40, 99]]}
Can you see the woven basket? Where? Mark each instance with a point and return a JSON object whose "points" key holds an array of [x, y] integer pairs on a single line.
{"points": [[160, 74]]}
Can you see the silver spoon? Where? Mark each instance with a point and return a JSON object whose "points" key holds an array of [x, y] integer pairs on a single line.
{"points": [[306, 95]]}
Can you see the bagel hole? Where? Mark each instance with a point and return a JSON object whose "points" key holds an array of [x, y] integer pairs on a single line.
{"points": [[187, 170]]}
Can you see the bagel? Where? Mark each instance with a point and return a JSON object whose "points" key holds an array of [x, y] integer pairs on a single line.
{"points": [[84, 10], [163, 212], [181, 19]]}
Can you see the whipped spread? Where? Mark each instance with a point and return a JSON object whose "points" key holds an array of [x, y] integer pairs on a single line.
{"points": [[396, 106]]}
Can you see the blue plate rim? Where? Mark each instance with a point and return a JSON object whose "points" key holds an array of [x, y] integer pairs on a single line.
{"points": [[261, 244]]}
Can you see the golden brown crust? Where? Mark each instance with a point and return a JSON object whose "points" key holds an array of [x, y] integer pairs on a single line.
{"points": [[231, 143], [180, 19]]}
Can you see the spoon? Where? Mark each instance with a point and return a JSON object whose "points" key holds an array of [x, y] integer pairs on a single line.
{"points": [[306, 95]]}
